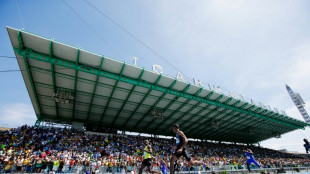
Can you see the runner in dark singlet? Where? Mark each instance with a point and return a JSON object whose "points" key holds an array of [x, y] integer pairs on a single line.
{"points": [[180, 150]]}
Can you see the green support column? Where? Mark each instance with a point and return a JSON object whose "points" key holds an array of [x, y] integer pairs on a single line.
{"points": [[37, 123], [156, 103], [21, 47], [115, 86], [176, 111], [148, 92], [206, 121], [228, 126], [203, 117], [244, 105], [94, 91], [168, 106], [75, 82], [199, 112], [53, 77], [192, 108], [250, 123], [129, 94]]}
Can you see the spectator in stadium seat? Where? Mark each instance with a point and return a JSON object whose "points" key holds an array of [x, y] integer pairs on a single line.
{"points": [[95, 150], [307, 145]]}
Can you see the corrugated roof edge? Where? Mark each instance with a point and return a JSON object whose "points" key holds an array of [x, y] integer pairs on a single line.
{"points": [[23, 30]]}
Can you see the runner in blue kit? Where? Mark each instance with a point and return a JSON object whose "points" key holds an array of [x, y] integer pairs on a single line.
{"points": [[180, 149], [163, 166], [250, 159]]}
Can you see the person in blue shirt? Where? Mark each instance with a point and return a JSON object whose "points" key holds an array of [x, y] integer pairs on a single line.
{"points": [[306, 145], [250, 159], [88, 171], [163, 166]]}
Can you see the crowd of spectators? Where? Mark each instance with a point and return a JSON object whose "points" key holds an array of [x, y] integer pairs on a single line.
{"points": [[31, 149]]}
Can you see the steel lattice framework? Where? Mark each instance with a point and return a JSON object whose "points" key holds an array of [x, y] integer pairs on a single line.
{"points": [[119, 95]]}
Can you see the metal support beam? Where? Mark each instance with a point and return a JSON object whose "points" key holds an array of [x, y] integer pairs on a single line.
{"points": [[87, 94], [21, 47], [210, 131], [87, 81], [75, 82], [168, 106], [53, 77], [209, 113], [177, 110], [191, 109], [236, 103], [148, 92], [259, 124], [193, 127], [228, 126], [129, 94], [37, 123], [219, 116], [94, 91], [156, 103], [206, 121], [199, 112], [115, 86], [227, 101], [71, 65], [252, 122]]}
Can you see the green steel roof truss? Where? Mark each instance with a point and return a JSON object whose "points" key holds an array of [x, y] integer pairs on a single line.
{"points": [[156, 103], [232, 118], [75, 81], [129, 94], [53, 77], [94, 91], [120, 75]]}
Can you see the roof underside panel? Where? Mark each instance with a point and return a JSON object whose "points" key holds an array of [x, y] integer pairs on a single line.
{"points": [[114, 94]]}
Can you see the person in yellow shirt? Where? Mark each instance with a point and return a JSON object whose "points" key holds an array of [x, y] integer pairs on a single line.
{"points": [[147, 158], [110, 165], [56, 164], [8, 166]]}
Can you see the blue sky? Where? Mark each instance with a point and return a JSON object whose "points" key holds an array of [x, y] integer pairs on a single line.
{"points": [[249, 47]]}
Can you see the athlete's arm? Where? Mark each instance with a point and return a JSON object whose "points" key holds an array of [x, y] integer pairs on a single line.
{"points": [[184, 138]]}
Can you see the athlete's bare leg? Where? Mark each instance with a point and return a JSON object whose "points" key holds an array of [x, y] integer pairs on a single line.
{"points": [[173, 159], [141, 169]]}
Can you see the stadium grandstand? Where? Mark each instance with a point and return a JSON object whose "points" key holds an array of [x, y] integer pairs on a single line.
{"points": [[36, 150], [86, 91]]}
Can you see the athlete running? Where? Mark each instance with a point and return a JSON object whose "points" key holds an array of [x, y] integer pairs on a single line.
{"points": [[147, 158], [180, 150], [250, 159]]}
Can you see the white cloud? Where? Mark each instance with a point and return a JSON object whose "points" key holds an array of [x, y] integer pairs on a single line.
{"points": [[17, 114]]}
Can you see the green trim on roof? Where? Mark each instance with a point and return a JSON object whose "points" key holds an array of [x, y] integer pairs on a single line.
{"points": [[75, 82], [21, 46], [94, 91], [53, 77], [128, 96]]}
